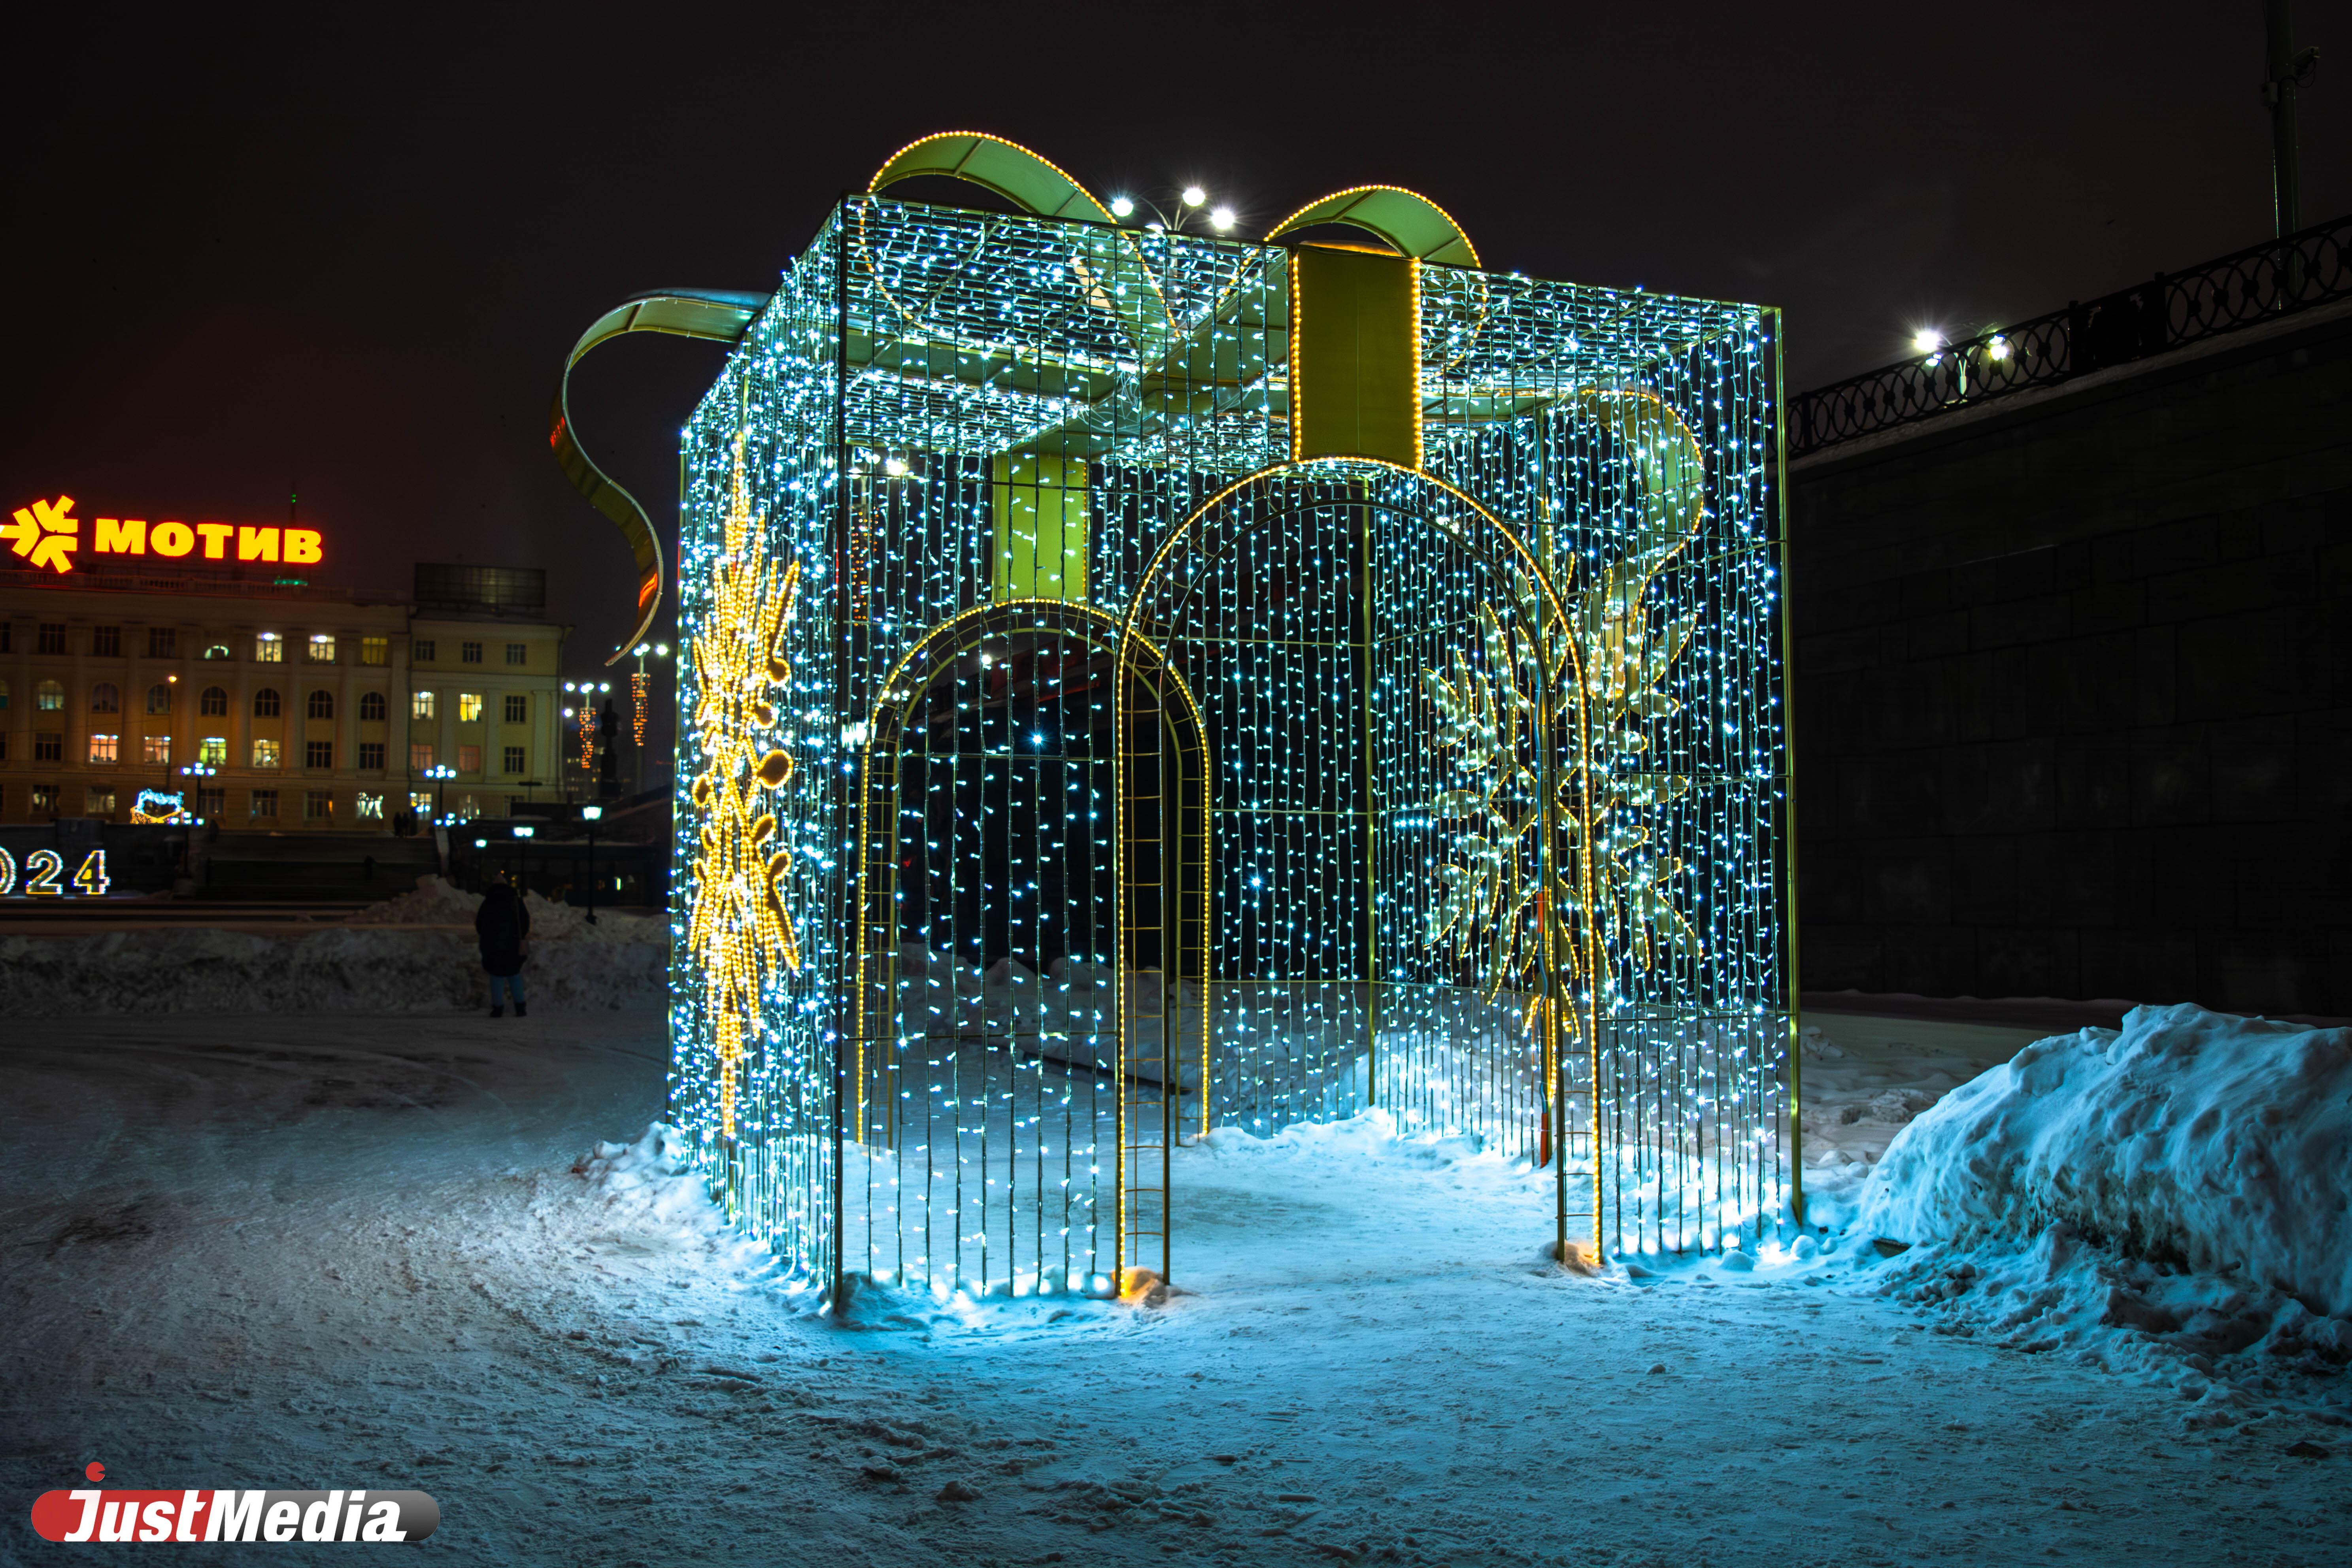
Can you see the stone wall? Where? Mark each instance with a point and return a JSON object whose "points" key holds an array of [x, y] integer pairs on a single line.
{"points": [[2074, 706]]}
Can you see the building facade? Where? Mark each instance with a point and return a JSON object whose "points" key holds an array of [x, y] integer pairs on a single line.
{"points": [[301, 708]]}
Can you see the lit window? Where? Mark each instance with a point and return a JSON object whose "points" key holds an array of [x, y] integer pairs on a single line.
{"points": [[269, 648], [318, 806], [469, 653], [317, 753], [421, 651], [420, 756], [467, 808], [371, 756], [470, 707], [514, 759], [213, 751], [159, 697], [518, 653], [420, 705], [264, 755], [105, 699], [49, 697], [156, 749], [214, 703], [265, 703], [323, 704], [370, 808], [98, 801], [518, 708], [470, 759], [102, 748], [45, 799], [376, 650], [373, 707], [323, 648], [420, 801], [265, 804]]}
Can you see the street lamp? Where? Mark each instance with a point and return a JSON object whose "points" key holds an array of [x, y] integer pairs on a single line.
{"points": [[522, 832], [1187, 203], [638, 703], [441, 775], [592, 814]]}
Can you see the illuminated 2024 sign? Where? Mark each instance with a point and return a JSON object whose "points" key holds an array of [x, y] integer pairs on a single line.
{"points": [[45, 870], [47, 534]]}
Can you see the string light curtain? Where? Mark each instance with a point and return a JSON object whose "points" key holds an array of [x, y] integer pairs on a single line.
{"points": [[1110, 769]]}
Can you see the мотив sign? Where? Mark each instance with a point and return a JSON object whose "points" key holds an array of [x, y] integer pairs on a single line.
{"points": [[47, 534]]}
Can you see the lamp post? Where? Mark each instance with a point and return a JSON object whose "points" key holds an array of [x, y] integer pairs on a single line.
{"points": [[195, 771], [638, 702], [522, 832], [591, 814], [440, 775], [1188, 204], [585, 712]]}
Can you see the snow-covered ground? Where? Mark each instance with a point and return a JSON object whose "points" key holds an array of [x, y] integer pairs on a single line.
{"points": [[364, 1250]]}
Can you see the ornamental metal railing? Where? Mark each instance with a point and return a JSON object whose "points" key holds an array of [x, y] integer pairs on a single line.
{"points": [[2261, 283]]}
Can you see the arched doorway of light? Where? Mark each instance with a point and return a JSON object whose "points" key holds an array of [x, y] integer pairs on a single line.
{"points": [[1378, 660], [988, 1081]]}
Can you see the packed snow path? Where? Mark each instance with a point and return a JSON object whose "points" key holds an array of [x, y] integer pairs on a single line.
{"points": [[352, 1251]]}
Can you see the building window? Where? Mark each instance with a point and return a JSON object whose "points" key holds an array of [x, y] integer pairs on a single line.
{"points": [[98, 800], [323, 704], [49, 697], [212, 801], [212, 703], [218, 650], [159, 697], [265, 753], [377, 651], [420, 801], [269, 648], [105, 699], [514, 759], [162, 642], [48, 748], [213, 751], [371, 808], [4, 692], [467, 808], [470, 759], [317, 753], [371, 756], [518, 708], [420, 756], [470, 708], [45, 800], [518, 653], [318, 806], [323, 648], [53, 638], [106, 642], [265, 805], [265, 703], [155, 748], [420, 705], [373, 707], [421, 651], [103, 748], [7, 627], [469, 653]]}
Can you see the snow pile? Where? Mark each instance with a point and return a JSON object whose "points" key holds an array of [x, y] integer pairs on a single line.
{"points": [[1369, 1138], [438, 902], [650, 1192], [2170, 1199], [379, 968], [1853, 1105]]}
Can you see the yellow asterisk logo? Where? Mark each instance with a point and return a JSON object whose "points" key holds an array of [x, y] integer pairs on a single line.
{"points": [[45, 534]]}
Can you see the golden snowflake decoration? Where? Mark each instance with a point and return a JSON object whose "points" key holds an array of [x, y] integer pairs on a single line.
{"points": [[740, 933], [1594, 683]]}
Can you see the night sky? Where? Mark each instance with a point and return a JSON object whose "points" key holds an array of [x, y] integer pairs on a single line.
{"points": [[347, 252]]}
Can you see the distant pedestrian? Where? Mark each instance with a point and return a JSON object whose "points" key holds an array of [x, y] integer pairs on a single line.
{"points": [[503, 925]]}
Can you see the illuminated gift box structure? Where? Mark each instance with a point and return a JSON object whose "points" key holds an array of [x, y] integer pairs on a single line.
{"points": [[1134, 682]]}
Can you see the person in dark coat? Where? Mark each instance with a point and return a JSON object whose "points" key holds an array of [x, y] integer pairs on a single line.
{"points": [[503, 926]]}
